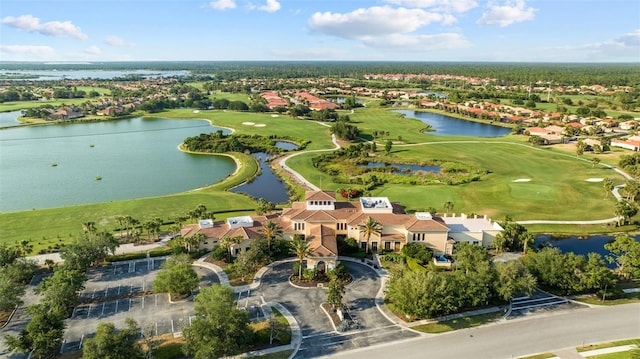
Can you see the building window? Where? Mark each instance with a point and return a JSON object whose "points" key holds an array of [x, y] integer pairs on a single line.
{"points": [[387, 245]]}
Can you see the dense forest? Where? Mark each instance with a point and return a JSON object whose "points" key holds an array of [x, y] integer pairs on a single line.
{"points": [[607, 74]]}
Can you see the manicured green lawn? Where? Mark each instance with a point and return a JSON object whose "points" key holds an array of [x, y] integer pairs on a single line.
{"points": [[557, 189], [280, 125], [48, 227], [19, 105], [460, 323]]}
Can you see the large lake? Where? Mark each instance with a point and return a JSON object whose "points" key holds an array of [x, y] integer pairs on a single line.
{"points": [[53, 74], [135, 158], [451, 126]]}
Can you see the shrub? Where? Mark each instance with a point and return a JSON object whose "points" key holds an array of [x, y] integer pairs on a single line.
{"points": [[418, 252], [219, 253]]}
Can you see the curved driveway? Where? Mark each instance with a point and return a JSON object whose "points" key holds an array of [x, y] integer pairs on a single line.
{"points": [[318, 335]]}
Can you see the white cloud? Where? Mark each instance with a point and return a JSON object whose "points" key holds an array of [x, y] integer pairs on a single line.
{"points": [[631, 39], [625, 48], [374, 21], [510, 12], [30, 23], [44, 52], [93, 50], [418, 42], [223, 4], [438, 5], [114, 40], [270, 6]]}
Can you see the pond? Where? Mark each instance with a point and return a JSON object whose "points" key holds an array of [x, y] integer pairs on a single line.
{"points": [[287, 146], [57, 165], [341, 100], [267, 185], [10, 118], [403, 168], [582, 246], [451, 126]]}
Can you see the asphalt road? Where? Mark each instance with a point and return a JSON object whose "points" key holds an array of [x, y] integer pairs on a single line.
{"points": [[517, 337]]}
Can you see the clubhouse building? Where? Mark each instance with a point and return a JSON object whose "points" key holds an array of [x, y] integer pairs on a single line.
{"points": [[321, 220]]}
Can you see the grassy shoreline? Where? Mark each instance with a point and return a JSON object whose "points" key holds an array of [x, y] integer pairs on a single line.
{"points": [[508, 158]]}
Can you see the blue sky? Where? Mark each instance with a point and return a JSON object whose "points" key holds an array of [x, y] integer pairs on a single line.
{"points": [[349, 30]]}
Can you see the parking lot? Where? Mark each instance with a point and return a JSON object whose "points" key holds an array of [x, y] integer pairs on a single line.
{"points": [[124, 290]]}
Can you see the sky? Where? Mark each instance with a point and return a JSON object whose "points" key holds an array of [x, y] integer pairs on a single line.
{"points": [[325, 30]]}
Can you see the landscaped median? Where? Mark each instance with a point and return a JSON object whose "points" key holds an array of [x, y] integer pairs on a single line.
{"points": [[459, 321]]}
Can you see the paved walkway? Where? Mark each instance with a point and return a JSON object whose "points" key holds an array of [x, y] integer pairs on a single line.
{"points": [[572, 353]]}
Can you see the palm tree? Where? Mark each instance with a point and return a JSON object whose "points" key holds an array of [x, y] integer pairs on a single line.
{"points": [[89, 227], [193, 241], [632, 188], [300, 248], [608, 186], [228, 242], [369, 228], [448, 206], [270, 230]]}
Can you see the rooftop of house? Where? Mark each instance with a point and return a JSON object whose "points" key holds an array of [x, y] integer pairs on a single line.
{"points": [[464, 223]]}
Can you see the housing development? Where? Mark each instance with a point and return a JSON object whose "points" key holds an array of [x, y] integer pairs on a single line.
{"points": [[304, 210]]}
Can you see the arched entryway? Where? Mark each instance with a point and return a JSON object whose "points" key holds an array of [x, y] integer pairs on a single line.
{"points": [[321, 267]]}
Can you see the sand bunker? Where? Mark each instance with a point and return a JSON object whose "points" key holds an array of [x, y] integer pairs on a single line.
{"points": [[594, 179], [275, 115], [248, 123], [196, 111], [259, 125], [522, 180]]}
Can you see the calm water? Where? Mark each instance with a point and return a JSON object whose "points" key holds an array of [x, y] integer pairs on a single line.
{"points": [[86, 74], [451, 126], [288, 146], [398, 167], [10, 118], [267, 185], [135, 158], [592, 244]]}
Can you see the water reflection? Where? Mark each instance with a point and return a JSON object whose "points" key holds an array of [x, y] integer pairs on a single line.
{"points": [[267, 185], [403, 168], [577, 245]]}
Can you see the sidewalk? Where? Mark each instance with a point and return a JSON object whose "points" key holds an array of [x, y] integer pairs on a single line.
{"points": [[572, 353]]}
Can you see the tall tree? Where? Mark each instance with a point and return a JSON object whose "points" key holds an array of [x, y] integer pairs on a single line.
{"points": [[270, 230], [448, 206], [625, 253], [228, 243], [41, 337], [177, 276], [608, 186], [300, 248], [387, 147], [369, 228], [335, 292], [219, 328], [113, 343], [513, 279]]}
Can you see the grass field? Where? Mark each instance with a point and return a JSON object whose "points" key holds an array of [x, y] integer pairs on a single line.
{"points": [[48, 227], [557, 189]]}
